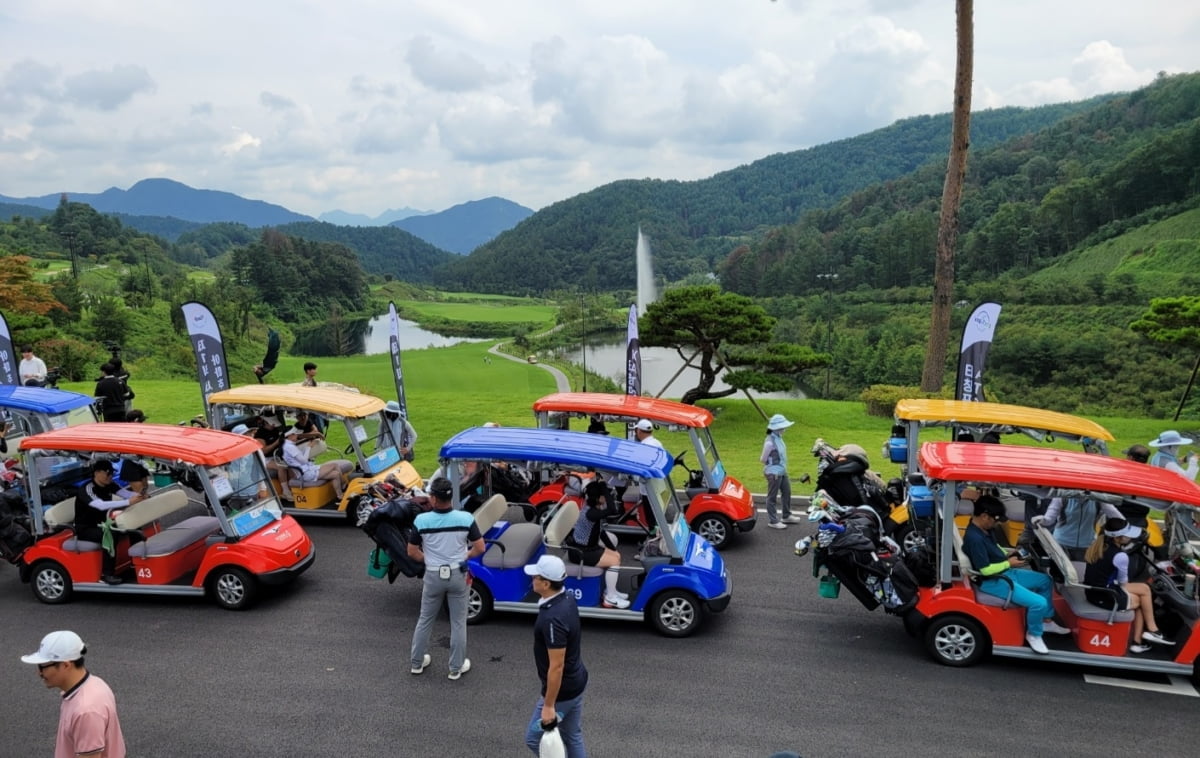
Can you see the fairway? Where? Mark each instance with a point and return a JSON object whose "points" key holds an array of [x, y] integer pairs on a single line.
{"points": [[498, 311]]}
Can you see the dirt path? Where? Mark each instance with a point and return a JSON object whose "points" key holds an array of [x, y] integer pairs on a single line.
{"points": [[560, 379]]}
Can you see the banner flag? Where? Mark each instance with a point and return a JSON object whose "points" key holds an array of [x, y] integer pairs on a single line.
{"points": [[394, 349], [976, 341], [633, 356], [211, 369], [8, 359]]}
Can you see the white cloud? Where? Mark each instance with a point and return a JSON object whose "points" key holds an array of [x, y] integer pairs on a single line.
{"points": [[453, 72], [107, 90]]}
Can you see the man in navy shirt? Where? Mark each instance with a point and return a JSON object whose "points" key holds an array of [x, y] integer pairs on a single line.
{"points": [[558, 654]]}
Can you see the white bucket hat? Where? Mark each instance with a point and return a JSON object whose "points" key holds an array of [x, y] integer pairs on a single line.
{"points": [[1168, 438], [779, 421]]}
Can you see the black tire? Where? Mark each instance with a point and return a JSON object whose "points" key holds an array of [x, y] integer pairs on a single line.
{"points": [[50, 582], [359, 508], [233, 588], [907, 537], [479, 602], [542, 511], [715, 528], [675, 613], [957, 640]]}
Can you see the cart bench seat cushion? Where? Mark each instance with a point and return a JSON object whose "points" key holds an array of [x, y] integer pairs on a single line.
{"points": [[80, 546], [517, 545], [176, 537], [151, 509], [1075, 595]]}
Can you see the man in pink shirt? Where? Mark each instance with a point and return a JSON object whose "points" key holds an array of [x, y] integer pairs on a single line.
{"points": [[87, 723]]}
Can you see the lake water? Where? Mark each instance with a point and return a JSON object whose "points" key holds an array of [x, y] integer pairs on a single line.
{"points": [[412, 337]]}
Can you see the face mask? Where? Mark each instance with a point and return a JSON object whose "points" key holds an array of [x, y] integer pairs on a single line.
{"points": [[1127, 546]]}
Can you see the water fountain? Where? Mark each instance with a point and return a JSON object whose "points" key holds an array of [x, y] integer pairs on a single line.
{"points": [[646, 292]]}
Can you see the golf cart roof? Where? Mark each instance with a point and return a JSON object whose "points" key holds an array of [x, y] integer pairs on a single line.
{"points": [[42, 399], [932, 412], [204, 446], [627, 406], [1052, 468], [323, 400], [556, 446]]}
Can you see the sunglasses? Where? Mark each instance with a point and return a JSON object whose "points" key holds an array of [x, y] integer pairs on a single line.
{"points": [[44, 666]]}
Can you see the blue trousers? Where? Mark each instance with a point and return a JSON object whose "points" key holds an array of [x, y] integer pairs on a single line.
{"points": [[1031, 591], [570, 726]]}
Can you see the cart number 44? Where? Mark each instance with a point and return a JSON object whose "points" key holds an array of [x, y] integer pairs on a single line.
{"points": [[1100, 640], [144, 573]]}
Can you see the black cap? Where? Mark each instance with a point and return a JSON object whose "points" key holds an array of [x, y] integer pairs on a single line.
{"points": [[991, 505], [441, 488], [103, 465], [132, 471]]}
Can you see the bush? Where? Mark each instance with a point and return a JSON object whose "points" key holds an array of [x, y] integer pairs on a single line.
{"points": [[881, 399], [73, 357]]}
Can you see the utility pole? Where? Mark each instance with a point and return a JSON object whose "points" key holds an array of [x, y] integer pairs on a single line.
{"points": [[829, 280]]}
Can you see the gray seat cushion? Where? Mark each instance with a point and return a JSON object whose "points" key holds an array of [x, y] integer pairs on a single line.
{"points": [[176, 538], [1076, 597], [519, 541], [80, 546]]}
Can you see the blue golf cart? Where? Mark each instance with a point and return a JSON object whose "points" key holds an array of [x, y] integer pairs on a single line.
{"points": [[672, 589], [33, 410]]}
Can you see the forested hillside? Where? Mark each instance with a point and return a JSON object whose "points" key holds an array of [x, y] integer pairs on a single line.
{"points": [[1122, 164], [466, 226], [587, 242], [382, 250]]}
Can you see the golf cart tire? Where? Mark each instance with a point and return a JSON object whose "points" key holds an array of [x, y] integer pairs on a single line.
{"points": [[479, 603], [50, 582], [715, 528], [233, 588], [358, 509], [541, 511], [957, 640], [675, 613]]}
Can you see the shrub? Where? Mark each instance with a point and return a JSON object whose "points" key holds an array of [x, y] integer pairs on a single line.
{"points": [[73, 357], [881, 399]]}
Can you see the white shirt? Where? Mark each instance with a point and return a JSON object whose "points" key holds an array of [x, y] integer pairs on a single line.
{"points": [[32, 368]]}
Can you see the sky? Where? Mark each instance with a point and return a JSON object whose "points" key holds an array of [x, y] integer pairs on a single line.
{"points": [[366, 105]]}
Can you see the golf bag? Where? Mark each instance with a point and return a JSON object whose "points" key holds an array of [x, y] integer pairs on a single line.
{"points": [[391, 527]]}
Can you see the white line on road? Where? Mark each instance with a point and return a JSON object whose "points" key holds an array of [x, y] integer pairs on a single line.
{"points": [[1178, 686]]}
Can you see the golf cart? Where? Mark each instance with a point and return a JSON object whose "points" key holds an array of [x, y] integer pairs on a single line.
{"points": [[370, 441], [31, 410], [671, 590], [717, 505], [213, 527]]}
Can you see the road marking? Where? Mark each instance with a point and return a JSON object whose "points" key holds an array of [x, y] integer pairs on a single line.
{"points": [[1178, 685]]}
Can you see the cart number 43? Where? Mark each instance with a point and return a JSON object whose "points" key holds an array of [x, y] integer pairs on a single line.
{"points": [[1100, 640], [144, 573]]}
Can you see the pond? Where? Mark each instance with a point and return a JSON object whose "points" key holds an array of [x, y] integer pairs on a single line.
{"points": [[368, 336]]}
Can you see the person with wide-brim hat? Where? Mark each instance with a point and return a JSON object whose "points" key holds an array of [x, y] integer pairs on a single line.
{"points": [[779, 486], [1166, 454]]}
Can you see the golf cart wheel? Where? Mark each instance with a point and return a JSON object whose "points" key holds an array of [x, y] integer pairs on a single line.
{"points": [[675, 613], [479, 602], [50, 583], [358, 510], [908, 538], [233, 588], [955, 640], [542, 512], [715, 528]]}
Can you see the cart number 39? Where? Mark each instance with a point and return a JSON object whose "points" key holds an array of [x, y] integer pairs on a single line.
{"points": [[577, 593], [1101, 640]]}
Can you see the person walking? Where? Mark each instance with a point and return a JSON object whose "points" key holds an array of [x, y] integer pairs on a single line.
{"points": [[445, 539], [779, 486], [87, 721], [558, 655]]}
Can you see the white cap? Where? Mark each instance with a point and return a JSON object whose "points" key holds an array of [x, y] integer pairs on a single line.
{"points": [[58, 647], [491, 425], [644, 425], [548, 567], [240, 429]]}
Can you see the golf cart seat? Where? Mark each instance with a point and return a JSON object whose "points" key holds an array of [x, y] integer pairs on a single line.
{"points": [[558, 528], [60, 515], [175, 538], [515, 545], [152, 509], [1072, 590], [971, 577]]}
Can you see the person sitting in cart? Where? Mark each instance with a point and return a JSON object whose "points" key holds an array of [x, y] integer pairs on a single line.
{"points": [[1030, 589], [1112, 564], [96, 500], [596, 547]]}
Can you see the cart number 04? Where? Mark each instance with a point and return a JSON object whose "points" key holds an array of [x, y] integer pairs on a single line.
{"points": [[144, 573], [1101, 640]]}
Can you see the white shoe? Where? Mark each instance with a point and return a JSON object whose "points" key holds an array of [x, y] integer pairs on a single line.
{"points": [[1050, 627], [465, 668], [1037, 644], [424, 664], [1135, 648], [1156, 638], [777, 525], [790, 519], [611, 601], [622, 595]]}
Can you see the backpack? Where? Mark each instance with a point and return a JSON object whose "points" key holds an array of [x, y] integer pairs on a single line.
{"points": [[14, 538]]}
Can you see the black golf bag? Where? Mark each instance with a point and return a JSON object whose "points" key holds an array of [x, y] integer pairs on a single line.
{"points": [[852, 551], [391, 527]]}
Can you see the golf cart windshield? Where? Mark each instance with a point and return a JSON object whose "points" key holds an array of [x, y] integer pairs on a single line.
{"points": [[377, 450], [668, 512], [243, 489]]}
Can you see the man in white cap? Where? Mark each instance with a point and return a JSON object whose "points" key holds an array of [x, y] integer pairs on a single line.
{"points": [[87, 721], [643, 431], [558, 655], [1166, 454], [779, 486]]}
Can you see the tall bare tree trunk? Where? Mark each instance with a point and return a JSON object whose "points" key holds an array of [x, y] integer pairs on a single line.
{"points": [[956, 169]]}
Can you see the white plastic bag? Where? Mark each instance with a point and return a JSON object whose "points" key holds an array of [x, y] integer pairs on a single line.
{"points": [[552, 745]]}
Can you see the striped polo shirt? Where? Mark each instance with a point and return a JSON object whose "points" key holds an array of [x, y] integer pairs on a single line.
{"points": [[445, 536]]}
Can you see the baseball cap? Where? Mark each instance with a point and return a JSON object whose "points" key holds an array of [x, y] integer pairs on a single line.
{"points": [[991, 505], [240, 429], [441, 488], [132, 471], [548, 567], [103, 465], [644, 425], [57, 647]]}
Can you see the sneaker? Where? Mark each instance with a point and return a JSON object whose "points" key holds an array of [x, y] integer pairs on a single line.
{"points": [[615, 602], [465, 668], [790, 519], [777, 525], [623, 595], [424, 664], [1050, 627], [1156, 638], [110, 579], [1135, 648], [1037, 644]]}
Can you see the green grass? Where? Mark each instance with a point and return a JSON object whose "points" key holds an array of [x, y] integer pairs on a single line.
{"points": [[451, 388], [501, 311]]}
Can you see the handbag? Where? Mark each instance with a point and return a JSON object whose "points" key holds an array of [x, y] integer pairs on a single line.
{"points": [[378, 562], [551, 745]]}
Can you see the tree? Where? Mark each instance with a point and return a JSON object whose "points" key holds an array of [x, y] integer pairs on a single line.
{"points": [[1173, 321], [956, 170], [19, 291], [702, 319]]}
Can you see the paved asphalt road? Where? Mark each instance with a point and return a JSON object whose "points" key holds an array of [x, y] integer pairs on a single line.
{"points": [[321, 669]]}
